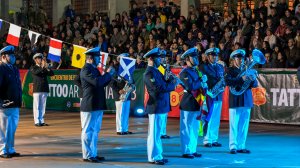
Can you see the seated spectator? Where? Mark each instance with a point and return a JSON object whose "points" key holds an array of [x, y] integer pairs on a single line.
{"points": [[178, 61], [266, 47], [280, 31], [140, 63], [191, 42], [239, 38], [275, 52], [102, 43], [25, 64], [292, 54], [297, 39], [202, 40], [115, 39], [158, 24], [170, 34], [269, 63], [173, 52], [256, 40], [150, 25], [280, 62], [297, 12], [215, 34], [270, 38], [224, 53]]}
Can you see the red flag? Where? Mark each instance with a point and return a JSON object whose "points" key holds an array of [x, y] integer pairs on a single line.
{"points": [[13, 35], [102, 65]]}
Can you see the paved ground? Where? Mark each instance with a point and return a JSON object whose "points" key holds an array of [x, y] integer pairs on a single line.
{"points": [[59, 145]]}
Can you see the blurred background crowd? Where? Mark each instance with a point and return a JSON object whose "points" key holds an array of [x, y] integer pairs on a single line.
{"points": [[272, 28]]}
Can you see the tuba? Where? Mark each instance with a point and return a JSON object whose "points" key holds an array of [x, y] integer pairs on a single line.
{"points": [[128, 88], [257, 58]]}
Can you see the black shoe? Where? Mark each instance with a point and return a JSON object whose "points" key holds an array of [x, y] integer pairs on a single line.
{"points": [[243, 151], [232, 151], [121, 133], [158, 162], [197, 154], [100, 158], [6, 156], [189, 156], [216, 144], [44, 124], [165, 160], [15, 154], [92, 160], [165, 137], [38, 125], [209, 145], [128, 132]]}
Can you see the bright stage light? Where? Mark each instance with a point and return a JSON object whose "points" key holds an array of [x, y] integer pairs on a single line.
{"points": [[140, 111]]}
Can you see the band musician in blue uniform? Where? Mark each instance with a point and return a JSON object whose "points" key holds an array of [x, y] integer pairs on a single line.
{"points": [[216, 85], [239, 105], [193, 80], [122, 89], [157, 105], [164, 135], [92, 105], [10, 102]]}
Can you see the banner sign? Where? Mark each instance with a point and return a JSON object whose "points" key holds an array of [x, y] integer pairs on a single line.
{"points": [[278, 99], [63, 93]]}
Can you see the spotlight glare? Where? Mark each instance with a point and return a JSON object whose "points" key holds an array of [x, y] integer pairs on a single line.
{"points": [[140, 111]]}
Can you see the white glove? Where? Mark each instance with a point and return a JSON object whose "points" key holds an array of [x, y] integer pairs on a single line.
{"points": [[111, 71], [204, 85], [204, 78]]}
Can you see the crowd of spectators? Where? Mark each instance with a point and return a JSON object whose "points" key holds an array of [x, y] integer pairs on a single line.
{"points": [[274, 29]]}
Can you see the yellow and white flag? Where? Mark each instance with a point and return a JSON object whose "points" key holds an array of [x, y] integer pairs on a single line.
{"points": [[78, 56]]}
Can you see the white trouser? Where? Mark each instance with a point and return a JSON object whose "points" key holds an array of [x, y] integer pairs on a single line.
{"points": [[164, 124], [122, 115], [189, 127], [213, 126], [91, 125], [239, 123], [9, 119], [39, 106], [154, 145]]}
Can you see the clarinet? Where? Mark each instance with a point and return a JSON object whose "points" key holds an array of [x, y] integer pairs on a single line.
{"points": [[169, 73]]}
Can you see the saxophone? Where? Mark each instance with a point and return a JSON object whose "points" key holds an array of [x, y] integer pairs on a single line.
{"points": [[217, 89], [128, 88]]}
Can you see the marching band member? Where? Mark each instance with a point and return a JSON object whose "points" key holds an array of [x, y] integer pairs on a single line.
{"points": [[10, 102], [40, 71], [214, 73], [122, 106], [165, 116], [92, 105], [193, 81], [239, 105], [157, 105]]}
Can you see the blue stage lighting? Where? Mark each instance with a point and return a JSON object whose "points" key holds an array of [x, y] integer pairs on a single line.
{"points": [[140, 111]]}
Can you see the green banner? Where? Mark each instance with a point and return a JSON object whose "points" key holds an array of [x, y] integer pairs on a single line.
{"points": [[63, 93]]}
